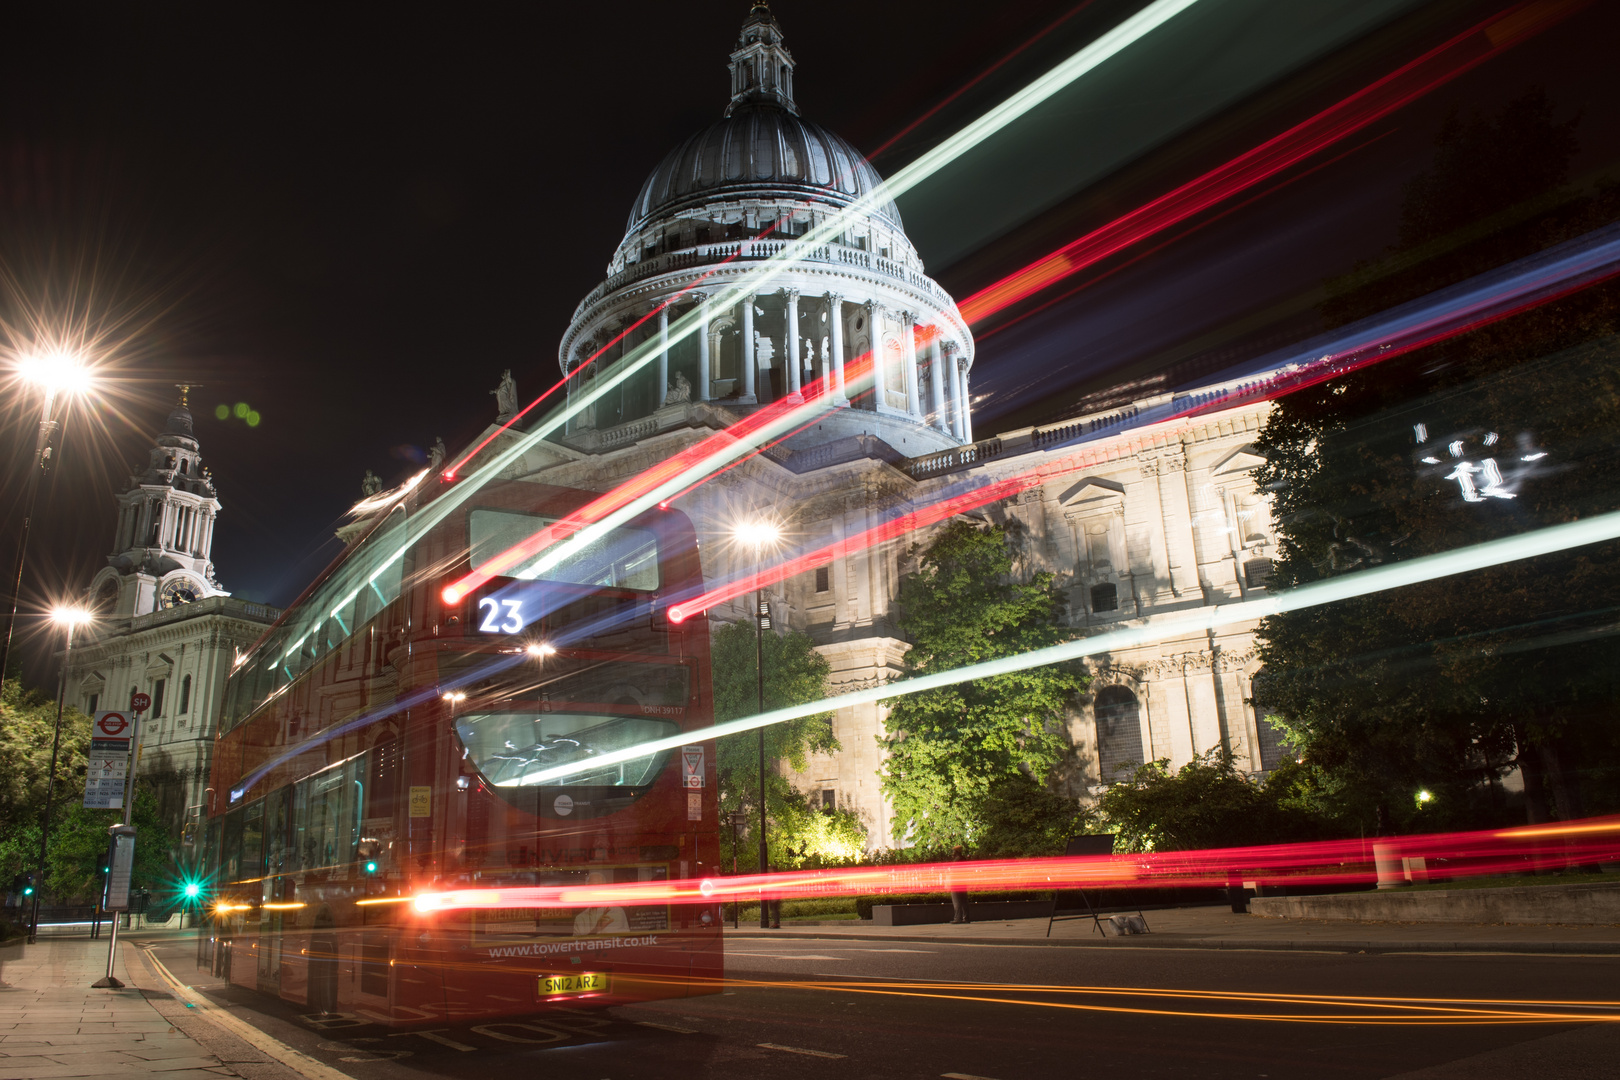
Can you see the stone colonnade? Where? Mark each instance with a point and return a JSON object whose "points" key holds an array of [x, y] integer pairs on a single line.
{"points": [[920, 351]]}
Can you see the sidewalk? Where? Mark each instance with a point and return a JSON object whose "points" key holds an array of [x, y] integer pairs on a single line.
{"points": [[1219, 928], [52, 1024]]}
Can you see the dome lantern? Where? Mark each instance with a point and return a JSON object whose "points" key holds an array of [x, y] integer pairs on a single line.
{"points": [[719, 211], [761, 69]]}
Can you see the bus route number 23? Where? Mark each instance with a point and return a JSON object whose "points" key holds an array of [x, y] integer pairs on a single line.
{"points": [[500, 616]]}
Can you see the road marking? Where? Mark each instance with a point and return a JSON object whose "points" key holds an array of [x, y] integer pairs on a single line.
{"points": [[929, 952], [970, 1076], [436, 1036], [667, 1027], [798, 1050], [786, 956], [300, 1063]]}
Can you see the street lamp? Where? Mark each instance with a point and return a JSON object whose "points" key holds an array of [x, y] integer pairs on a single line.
{"points": [[70, 619], [57, 373], [760, 535]]}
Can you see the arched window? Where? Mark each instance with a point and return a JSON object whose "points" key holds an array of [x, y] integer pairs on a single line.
{"points": [[1119, 731], [1105, 597]]}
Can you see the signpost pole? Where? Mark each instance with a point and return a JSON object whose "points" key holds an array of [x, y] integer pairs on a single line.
{"points": [[121, 849]]}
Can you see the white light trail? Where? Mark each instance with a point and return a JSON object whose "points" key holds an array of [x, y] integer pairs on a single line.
{"points": [[794, 251], [1411, 572]]}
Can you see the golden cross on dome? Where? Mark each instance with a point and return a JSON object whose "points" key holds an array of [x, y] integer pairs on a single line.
{"points": [[186, 388]]}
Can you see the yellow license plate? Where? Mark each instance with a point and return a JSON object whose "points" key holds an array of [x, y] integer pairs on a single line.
{"points": [[586, 982]]}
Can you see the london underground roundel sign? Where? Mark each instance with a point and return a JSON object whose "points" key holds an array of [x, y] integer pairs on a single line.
{"points": [[112, 725]]}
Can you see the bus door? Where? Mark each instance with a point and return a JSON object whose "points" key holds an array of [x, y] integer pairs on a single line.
{"points": [[271, 923]]}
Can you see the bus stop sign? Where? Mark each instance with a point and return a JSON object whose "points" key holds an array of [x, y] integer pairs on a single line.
{"points": [[139, 702]]}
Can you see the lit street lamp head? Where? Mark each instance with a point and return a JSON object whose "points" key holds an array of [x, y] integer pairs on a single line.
{"points": [[759, 534], [71, 616], [56, 372]]}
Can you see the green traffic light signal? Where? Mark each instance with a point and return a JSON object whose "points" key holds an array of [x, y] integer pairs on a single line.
{"points": [[28, 890], [371, 867], [192, 890]]}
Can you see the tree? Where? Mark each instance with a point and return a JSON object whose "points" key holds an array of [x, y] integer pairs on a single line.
{"points": [[947, 747], [1023, 818], [27, 727], [795, 674], [1207, 803], [1446, 686], [78, 843], [79, 849]]}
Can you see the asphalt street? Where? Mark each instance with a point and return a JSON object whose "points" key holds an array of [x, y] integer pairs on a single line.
{"points": [[838, 1008]]}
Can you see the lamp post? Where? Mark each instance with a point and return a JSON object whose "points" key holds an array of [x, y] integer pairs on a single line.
{"points": [[56, 373], [70, 619], [760, 534]]}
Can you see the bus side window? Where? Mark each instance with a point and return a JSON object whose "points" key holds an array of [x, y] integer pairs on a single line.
{"points": [[230, 856], [253, 841], [275, 832], [300, 855]]}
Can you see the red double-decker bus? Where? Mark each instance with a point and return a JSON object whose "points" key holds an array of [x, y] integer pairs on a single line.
{"points": [[379, 742]]}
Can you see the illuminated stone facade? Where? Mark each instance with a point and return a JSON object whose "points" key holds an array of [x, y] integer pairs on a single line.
{"points": [[1163, 521]]}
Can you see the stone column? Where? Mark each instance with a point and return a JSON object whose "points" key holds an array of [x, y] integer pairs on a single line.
{"points": [[880, 365], [967, 403], [954, 374], [749, 363], [663, 357], [936, 382], [835, 319], [908, 357], [792, 296], [704, 379]]}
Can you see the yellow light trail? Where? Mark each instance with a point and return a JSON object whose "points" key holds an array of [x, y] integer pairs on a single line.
{"points": [[1376, 1011]]}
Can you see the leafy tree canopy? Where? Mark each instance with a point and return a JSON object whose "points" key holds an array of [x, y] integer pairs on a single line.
{"points": [[966, 604], [1447, 685], [78, 842], [1207, 803], [795, 674]]}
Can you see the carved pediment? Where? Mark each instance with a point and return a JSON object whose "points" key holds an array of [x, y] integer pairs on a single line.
{"points": [[1092, 494], [1240, 460]]}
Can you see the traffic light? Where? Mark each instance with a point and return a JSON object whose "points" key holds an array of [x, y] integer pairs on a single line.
{"points": [[23, 885], [192, 890], [371, 866]]}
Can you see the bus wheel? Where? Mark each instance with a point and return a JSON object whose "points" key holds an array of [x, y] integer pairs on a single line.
{"points": [[323, 975]]}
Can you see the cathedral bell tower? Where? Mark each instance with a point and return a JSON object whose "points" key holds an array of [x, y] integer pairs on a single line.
{"points": [[165, 529]]}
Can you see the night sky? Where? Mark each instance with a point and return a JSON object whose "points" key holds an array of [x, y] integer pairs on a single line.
{"points": [[354, 219]]}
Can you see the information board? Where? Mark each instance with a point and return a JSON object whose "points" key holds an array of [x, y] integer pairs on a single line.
{"points": [[107, 764], [120, 863]]}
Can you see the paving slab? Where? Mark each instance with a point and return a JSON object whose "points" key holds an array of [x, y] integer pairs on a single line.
{"points": [[54, 1024]]}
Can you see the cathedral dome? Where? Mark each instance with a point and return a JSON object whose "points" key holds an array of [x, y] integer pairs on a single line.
{"points": [[760, 149]]}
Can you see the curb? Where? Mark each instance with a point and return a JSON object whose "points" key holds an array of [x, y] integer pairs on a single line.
{"points": [[1604, 948], [297, 1061]]}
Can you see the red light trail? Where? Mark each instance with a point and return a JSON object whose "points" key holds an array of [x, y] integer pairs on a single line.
{"points": [[1400, 87], [1352, 114], [1329, 862], [450, 473]]}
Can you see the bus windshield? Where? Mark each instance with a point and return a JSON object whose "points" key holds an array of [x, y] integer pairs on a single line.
{"points": [[572, 710]]}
